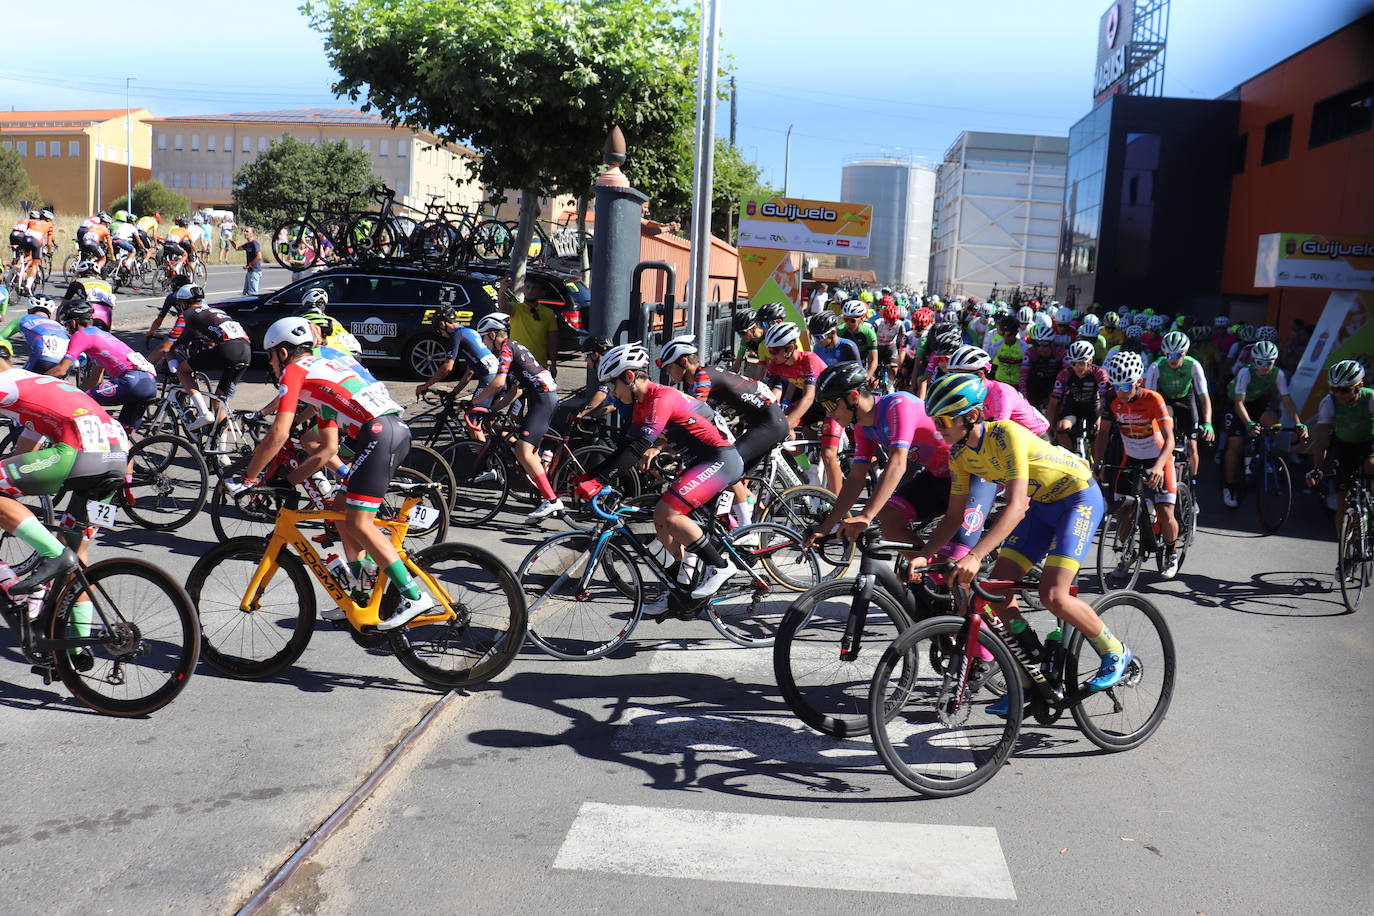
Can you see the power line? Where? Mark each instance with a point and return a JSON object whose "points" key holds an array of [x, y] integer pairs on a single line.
{"points": [[869, 98]]}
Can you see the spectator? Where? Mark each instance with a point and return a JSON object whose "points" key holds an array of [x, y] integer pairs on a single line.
{"points": [[252, 253], [534, 326], [818, 299], [226, 238]]}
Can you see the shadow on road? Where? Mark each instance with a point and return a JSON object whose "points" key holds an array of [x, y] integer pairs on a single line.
{"points": [[1267, 594]]}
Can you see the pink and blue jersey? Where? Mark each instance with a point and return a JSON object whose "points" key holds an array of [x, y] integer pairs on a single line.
{"points": [[1003, 402], [901, 422], [108, 351]]}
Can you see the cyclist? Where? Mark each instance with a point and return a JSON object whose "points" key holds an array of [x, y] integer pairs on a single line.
{"points": [[1080, 393], [764, 426], [27, 242], [1040, 366], [1064, 333], [331, 333], [47, 341], [712, 462], [180, 237], [89, 223], [857, 329], [205, 339], [89, 286], [121, 377], [1203, 351], [1253, 394], [746, 323], [826, 341], [1345, 428], [1183, 383], [941, 343], [1011, 351], [1111, 330], [1147, 434], [95, 243], [915, 482], [1001, 401], [517, 366], [890, 333], [1091, 331], [378, 438], [1153, 337], [1053, 507], [800, 369], [124, 236], [466, 348], [596, 400]]}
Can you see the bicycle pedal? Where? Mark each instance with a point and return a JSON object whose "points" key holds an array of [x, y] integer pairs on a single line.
{"points": [[45, 672]]}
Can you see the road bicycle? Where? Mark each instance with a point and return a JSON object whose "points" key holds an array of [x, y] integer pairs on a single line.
{"points": [[17, 276], [1267, 477], [1355, 539], [257, 605], [1130, 530], [136, 651], [586, 589], [929, 699]]}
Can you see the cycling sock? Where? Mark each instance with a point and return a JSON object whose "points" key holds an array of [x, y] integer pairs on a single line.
{"points": [[202, 406], [1107, 644], [709, 555], [541, 483], [79, 627], [405, 582], [32, 532]]}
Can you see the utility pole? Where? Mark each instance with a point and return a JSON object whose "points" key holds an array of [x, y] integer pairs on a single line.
{"points": [[787, 162], [703, 168], [734, 108]]}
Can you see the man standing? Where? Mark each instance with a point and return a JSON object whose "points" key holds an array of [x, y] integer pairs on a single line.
{"points": [[226, 238], [819, 299], [252, 252], [534, 326]]}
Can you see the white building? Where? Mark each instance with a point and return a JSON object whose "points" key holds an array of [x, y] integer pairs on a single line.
{"points": [[902, 193], [998, 204]]}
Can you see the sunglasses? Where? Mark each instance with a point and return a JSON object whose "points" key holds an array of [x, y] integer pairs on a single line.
{"points": [[1344, 389], [1173, 356], [946, 422], [787, 349], [1124, 388], [1264, 362]]}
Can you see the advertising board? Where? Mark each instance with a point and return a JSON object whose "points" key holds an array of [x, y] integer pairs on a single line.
{"points": [[813, 226], [1113, 49], [1315, 261]]}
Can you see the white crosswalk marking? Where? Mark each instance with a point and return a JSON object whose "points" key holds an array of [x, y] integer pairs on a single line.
{"points": [[893, 858]]}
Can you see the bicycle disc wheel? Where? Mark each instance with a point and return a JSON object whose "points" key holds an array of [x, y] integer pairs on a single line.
{"points": [[567, 619], [1119, 551], [483, 638], [482, 483], [750, 605], [1355, 569], [153, 638], [826, 691], [803, 509], [432, 465], [1274, 496], [929, 738], [418, 537], [1125, 716], [170, 483], [255, 644]]}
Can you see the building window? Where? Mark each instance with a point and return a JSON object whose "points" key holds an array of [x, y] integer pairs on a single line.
{"points": [[195, 143], [210, 143], [247, 144], [1277, 137], [401, 147], [1342, 115], [55, 149], [195, 179], [99, 151], [161, 141], [367, 146], [40, 147], [176, 142], [382, 147], [74, 148], [162, 178], [262, 144], [228, 146], [176, 179]]}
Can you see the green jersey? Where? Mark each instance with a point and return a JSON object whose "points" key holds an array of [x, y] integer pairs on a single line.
{"points": [[1353, 422], [864, 337], [1175, 384]]}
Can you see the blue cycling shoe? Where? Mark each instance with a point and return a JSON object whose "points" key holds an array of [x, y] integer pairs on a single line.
{"points": [[1113, 668], [1001, 707]]}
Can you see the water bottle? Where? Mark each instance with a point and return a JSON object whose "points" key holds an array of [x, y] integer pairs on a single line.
{"points": [[1053, 651], [546, 457], [369, 573], [660, 553], [339, 569], [1026, 640]]}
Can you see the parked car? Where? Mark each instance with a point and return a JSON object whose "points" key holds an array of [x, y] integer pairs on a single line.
{"points": [[389, 309]]}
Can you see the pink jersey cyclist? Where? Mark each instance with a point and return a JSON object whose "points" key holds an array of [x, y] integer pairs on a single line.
{"points": [[690, 425], [111, 353], [130, 380], [1004, 402], [804, 369]]}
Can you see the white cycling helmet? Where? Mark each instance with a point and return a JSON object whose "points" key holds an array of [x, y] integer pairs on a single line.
{"points": [[1221, 321], [677, 348], [493, 322], [987, 309], [1175, 342], [969, 359], [316, 298], [1042, 334], [1344, 373], [1080, 351], [1264, 351], [288, 332], [781, 334], [42, 302], [1063, 315], [1025, 314], [1090, 327], [1125, 368], [621, 359], [1042, 319], [855, 309]]}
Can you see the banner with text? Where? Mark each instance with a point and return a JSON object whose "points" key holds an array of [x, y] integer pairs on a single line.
{"points": [[1315, 261], [1344, 331], [813, 226]]}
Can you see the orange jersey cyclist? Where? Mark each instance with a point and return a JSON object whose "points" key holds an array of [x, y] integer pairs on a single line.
{"points": [[378, 438]]}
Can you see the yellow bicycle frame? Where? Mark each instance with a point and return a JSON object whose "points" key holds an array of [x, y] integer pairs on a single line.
{"points": [[287, 534]]}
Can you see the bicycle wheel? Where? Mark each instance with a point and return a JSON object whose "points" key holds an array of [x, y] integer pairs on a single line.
{"points": [[1355, 566], [1274, 496], [170, 483], [750, 605], [258, 643], [69, 268], [932, 736], [568, 619], [1119, 551], [483, 638], [490, 242], [432, 465], [1126, 715], [579, 511], [803, 508], [295, 245], [827, 691], [482, 483], [252, 514], [418, 536], [1187, 521]]}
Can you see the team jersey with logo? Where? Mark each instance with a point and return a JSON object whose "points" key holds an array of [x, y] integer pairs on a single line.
{"points": [[845, 350], [1142, 423], [1176, 383], [1090, 388], [344, 398], [900, 421], [62, 412], [1353, 422], [1008, 451], [466, 346], [109, 352], [203, 323], [804, 370], [518, 364], [689, 424], [750, 399], [1004, 402], [45, 338], [1249, 385], [1007, 360]]}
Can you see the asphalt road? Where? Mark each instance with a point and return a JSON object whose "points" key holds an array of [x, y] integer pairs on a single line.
{"points": [[673, 779]]}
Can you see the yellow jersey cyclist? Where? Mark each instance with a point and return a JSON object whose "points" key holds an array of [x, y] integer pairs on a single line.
{"points": [[377, 436], [1053, 508], [1345, 428]]}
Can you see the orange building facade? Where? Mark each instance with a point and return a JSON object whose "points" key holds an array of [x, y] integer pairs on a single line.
{"points": [[1306, 162]]}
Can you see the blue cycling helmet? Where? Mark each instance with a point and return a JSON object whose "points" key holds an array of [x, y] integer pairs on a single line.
{"points": [[955, 394]]}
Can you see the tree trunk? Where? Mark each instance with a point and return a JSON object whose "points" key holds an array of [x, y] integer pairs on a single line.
{"points": [[520, 255], [583, 254]]}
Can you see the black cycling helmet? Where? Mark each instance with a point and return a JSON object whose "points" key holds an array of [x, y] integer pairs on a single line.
{"points": [[445, 315], [822, 324], [75, 310], [947, 342], [745, 319], [1008, 324], [773, 311], [838, 380], [594, 343], [179, 281]]}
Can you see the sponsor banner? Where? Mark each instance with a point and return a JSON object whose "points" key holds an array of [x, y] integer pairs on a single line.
{"points": [[776, 275], [1344, 331], [1113, 49], [815, 226], [373, 329], [1315, 261]]}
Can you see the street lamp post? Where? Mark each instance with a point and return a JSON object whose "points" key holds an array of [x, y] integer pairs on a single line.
{"points": [[128, 148], [787, 161]]}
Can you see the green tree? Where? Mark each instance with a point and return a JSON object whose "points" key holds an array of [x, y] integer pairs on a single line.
{"points": [[266, 188], [153, 197], [532, 85], [15, 185]]}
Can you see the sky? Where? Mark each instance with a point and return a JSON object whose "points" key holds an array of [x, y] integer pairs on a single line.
{"points": [[853, 78]]}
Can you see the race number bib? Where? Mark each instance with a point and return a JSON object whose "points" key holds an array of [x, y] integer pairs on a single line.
{"points": [[101, 515], [490, 363], [232, 330], [140, 362], [423, 516], [54, 347], [94, 436], [724, 428], [375, 399], [724, 501]]}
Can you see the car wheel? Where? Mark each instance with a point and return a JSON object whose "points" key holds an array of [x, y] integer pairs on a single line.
{"points": [[424, 356]]}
